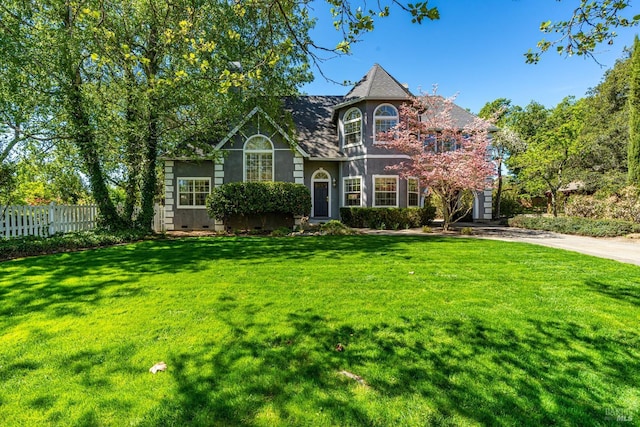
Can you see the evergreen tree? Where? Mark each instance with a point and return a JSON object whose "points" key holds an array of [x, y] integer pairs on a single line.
{"points": [[633, 157]]}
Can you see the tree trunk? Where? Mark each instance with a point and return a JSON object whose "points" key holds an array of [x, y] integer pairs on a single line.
{"points": [[149, 176], [554, 203], [83, 135], [133, 153]]}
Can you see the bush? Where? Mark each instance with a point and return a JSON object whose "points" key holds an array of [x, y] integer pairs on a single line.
{"points": [[255, 198], [281, 232], [32, 245], [575, 225], [623, 205], [510, 205], [336, 228], [394, 218]]}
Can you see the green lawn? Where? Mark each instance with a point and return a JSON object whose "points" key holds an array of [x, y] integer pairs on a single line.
{"points": [[442, 331]]}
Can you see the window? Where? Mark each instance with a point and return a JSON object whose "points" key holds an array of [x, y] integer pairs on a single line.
{"points": [[193, 192], [413, 192], [258, 159], [352, 127], [353, 191], [385, 191], [385, 117]]}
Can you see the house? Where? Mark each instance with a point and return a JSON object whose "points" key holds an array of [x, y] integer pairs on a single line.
{"points": [[335, 154]]}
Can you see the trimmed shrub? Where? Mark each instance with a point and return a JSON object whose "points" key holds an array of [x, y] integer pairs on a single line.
{"points": [[258, 198], [387, 218], [575, 225]]}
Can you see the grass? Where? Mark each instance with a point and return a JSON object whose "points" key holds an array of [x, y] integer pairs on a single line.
{"points": [[442, 331]]}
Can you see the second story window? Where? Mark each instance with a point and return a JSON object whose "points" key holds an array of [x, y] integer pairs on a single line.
{"points": [[258, 159], [352, 127], [384, 118]]}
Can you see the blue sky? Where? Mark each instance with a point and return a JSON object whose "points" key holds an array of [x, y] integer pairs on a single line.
{"points": [[475, 50]]}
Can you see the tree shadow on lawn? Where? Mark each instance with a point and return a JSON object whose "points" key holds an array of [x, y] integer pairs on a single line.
{"points": [[461, 370], [65, 284]]}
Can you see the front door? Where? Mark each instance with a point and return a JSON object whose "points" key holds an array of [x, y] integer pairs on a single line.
{"points": [[320, 199]]}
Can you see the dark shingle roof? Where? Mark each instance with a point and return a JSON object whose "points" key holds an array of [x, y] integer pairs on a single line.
{"points": [[316, 131], [377, 83], [459, 115]]}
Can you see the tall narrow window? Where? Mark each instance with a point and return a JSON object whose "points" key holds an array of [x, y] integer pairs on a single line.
{"points": [[353, 191], [258, 159], [385, 117], [385, 191], [352, 127], [413, 192], [193, 192]]}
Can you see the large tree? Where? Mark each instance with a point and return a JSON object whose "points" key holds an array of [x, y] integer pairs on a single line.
{"points": [[551, 148], [504, 140], [448, 158], [127, 80], [605, 134]]}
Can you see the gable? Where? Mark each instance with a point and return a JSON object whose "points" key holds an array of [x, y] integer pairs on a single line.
{"points": [[269, 129]]}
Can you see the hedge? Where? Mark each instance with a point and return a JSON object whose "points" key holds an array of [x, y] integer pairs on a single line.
{"points": [[19, 247], [387, 218], [576, 225], [254, 198]]}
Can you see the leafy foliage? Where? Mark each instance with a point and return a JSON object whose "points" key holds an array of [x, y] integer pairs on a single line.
{"points": [[624, 205], [576, 225], [593, 22], [605, 133], [633, 158], [251, 198], [552, 148], [387, 218]]}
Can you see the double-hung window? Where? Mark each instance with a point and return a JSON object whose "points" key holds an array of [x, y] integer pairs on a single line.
{"points": [[385, 191], [413, 192], [193, 192], [353, 191], [352, 127]]}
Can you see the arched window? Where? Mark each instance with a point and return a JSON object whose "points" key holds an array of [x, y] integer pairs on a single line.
{"points": [[352, 127], [384, 118], [258, 159]]}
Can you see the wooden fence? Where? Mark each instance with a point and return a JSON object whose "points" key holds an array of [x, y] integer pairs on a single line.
{"points": [[16, 221]]}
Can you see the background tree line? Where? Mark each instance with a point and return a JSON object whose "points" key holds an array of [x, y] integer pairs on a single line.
{"points": [[582, 144]]}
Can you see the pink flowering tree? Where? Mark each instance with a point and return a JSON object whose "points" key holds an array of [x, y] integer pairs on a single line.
{"points": [[448, 150]]}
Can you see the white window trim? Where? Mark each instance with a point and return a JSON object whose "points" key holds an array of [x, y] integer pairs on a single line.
{"points": [[373, 202], [344, 192], [244, 156], [373, 130], [344, 135], [313, 190], [199, 178], [415, 192]]}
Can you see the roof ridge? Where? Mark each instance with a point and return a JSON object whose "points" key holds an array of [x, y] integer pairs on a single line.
{"points": [[378, 83]]}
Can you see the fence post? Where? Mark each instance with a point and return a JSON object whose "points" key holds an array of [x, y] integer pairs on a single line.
{"points": [[52, 218]]}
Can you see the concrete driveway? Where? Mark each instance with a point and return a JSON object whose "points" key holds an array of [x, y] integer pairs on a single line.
{"points": [[621, 249]]}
